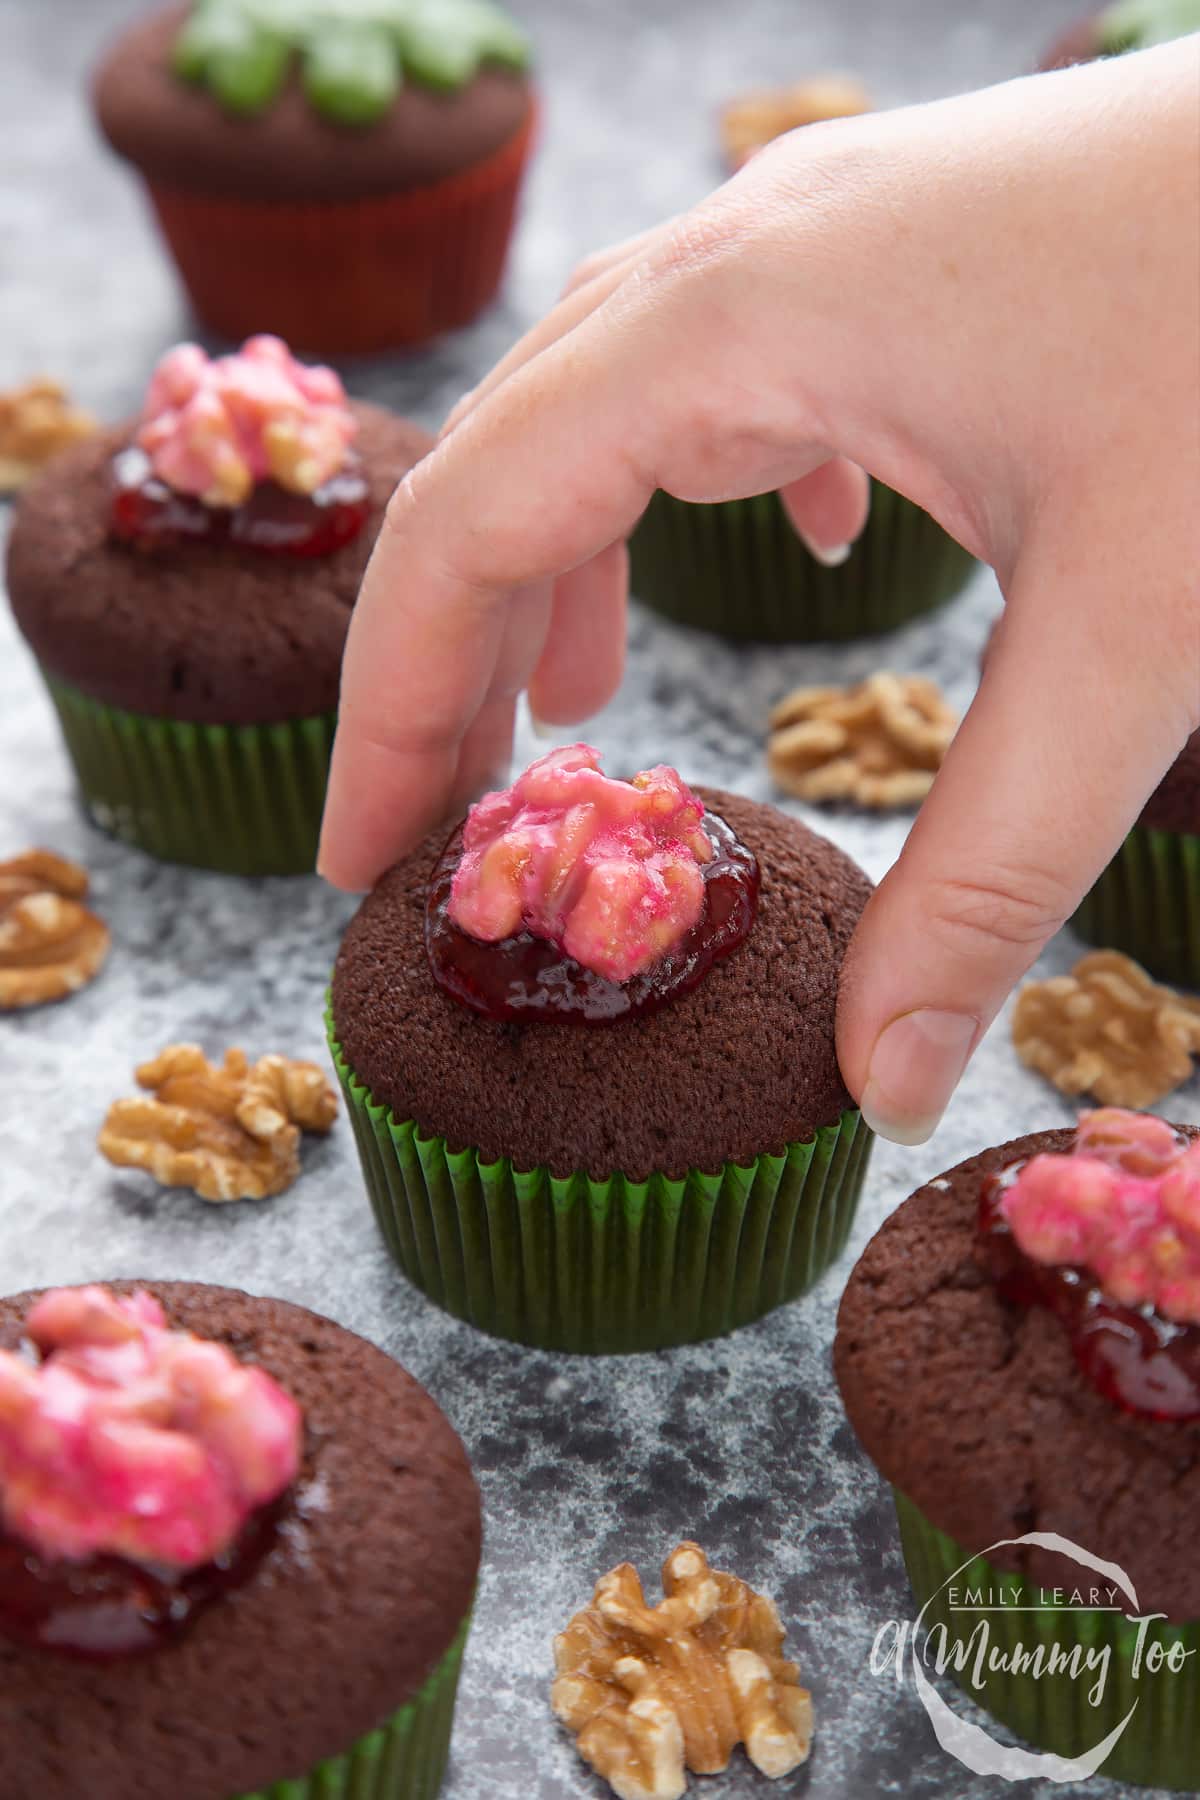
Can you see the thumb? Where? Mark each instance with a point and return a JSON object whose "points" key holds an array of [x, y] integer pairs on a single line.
{"points": [[1076, 720]]}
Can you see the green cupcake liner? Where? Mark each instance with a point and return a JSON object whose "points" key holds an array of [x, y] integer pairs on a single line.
{"points": [[738, 568], [567, 1263], [1147, 903], [243, 799], [404, 1759], [1160, 1746]]}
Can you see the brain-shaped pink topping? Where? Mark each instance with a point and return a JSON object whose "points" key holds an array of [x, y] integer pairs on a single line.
{"points": [[131, 1439], [217, 426], [1124, 1203], [610, 871]]}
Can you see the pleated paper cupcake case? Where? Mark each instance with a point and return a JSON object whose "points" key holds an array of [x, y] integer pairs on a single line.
{"points": [[605, 1266], [738, 568], [242, 799], [1147, 903], [349, 276], [1160, 1747], [405, 1759]]}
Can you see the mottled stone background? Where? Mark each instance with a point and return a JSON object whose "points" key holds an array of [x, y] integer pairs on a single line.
{"points": [[741, 1444]]}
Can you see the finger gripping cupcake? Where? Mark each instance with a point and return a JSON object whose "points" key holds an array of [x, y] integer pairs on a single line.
{"points": [[237, 1548], [346, 176], [185, 582], [588, 1044], [1019, 1352]]}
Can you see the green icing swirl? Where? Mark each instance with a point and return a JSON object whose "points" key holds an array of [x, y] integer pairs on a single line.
{"points": [[1135, 24], [353, 54]]}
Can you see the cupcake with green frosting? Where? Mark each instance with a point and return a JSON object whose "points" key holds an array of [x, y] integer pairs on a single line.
{"points": [[1123, 26], [346, 177], [185, 582], [738, 568], [587, 1044]]}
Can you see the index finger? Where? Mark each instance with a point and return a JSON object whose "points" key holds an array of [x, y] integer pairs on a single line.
{"points": [[538, 480]]}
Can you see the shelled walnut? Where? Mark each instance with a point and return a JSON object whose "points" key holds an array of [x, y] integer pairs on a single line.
{"points": [[877, 744], [229, 1133], [653, 1691], [1108, 1029], [752, 120], [37, 420], [50, 944]]}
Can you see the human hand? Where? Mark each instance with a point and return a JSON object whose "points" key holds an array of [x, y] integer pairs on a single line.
{"points": [[989, 303]]}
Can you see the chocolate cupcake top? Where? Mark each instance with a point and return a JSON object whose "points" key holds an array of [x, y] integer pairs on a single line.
{"points": [[978, 1410], [271, 100], [201, 631], [741, 1064], [360, 1596]]}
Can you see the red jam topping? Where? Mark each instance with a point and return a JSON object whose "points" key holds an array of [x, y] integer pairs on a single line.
{"points": [[140, 1472], [146, 512], [576, 898], [107, 1606], [1108, 1238], [252, 449]]}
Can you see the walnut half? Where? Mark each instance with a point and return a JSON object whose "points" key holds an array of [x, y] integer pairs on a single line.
{"points": [[1107, 1029], [651, 1691], [229, 1133], [36, 422], [50, 944], [878, 744], [753, 119]]}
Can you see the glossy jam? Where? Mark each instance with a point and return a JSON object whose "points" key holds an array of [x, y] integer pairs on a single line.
{"points": [[1138, 1360], [106, 1607], [526, 978], [273, 522]]}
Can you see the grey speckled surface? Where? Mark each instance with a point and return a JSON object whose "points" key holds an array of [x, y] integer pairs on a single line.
{"points": [[742, 1443]]}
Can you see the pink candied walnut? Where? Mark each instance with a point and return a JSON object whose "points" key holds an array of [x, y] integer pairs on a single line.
{"points": [[1124, 1203], [130, 1439], [610, 871], [215, 427]]}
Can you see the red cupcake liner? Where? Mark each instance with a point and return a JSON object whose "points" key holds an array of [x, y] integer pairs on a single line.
{"points": [[349, 276]]}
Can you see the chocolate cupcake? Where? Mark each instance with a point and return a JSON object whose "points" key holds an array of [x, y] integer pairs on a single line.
{"points": [[1147, 901], [1125, 25], [347, 178], [739, 569], [588, 1051], [185, 582], [1019, 1353], [237, 1553]]}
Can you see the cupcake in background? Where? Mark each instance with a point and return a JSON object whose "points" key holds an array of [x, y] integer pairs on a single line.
{"points": [[1125, 25], [346, 177], [1018, 1350], [186, 581], [238, 1549], [738, 568], [587, 1046], [1147, 901]]}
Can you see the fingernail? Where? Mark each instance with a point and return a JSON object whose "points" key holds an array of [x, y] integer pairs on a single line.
{"points": [[541, 730], [832, 556], [914, 1068]]}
